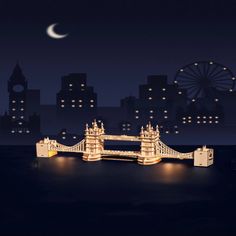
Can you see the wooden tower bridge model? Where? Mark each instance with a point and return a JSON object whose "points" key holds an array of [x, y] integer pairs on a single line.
{"points": [[152, 149]]}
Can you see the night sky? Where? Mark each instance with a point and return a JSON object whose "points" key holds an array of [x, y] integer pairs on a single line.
{"points": [[117, 43]]}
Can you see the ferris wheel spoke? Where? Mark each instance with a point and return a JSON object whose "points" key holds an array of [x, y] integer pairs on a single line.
{"points": [[207, 71], [213, 70], [189, 74], [194, 72], [221, 76], [218, 73], [198, 92], [221, 87], [187, 77]]}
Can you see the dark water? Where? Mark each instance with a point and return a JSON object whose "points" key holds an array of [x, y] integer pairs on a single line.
{"points": [[66, 196]]}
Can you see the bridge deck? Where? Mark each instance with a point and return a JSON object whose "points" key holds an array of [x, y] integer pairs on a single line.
{"points": [[121, 138]]}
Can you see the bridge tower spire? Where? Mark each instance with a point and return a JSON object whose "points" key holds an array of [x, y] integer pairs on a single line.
{"points": [[150, 151], [94, 145]]}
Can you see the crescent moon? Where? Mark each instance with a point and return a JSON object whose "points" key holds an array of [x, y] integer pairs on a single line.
{"points": [[51, 32]]}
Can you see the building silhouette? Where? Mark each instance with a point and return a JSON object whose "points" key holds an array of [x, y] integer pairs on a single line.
{"points": [[22, 122]]}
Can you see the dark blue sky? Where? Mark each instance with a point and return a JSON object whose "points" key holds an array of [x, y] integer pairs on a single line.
{"points": [[117, 43]]}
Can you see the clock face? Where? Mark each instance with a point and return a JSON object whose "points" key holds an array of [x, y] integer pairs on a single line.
{"points": [[18, 88]]}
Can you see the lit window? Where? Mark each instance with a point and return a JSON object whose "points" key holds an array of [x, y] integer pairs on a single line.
{"points": [[216, 117], [136, 117], [195, 64], [72, 100], [166, 117], [20, 123], [150, 98], [151, 111], [13, 109], [204, 117], [216, 99], [91, 105], [62, 100], [210, 121], [91, 100], [183, 118], [128, 125], [189, 121], [82, 85], [224, 68], [137, 111], [176, 131], [184, 122], [211, 62], [179, 92], [193, 100], [150, 89], [13, 131], [163, 98], [124, 129], [13, 101], [73, 105], [74, 137], [210, 117], [70, 85], [151, 117], [80, 106], [175, 81], [22, 117], [22, 101], [63, 137], [204, 122], [13, 117], [62, 105], [22, 109], [198, 117], [163, 89], [128, 129], [189, 117], [198, 122], [231, 90], [27, 131], [175, 126], [20, 131], [216, 121], [80, 100], [167, 132], [123, 125], [63, 132], [233, 78], [165, 111]]}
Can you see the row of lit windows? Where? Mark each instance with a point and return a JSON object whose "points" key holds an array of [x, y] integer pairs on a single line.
{"points": [[73, 100], [126, 129], [126, 125], [71, 85], [202, 122], [163, 98], [14, 117], [14, 101], [14, 109], [199, 117], [20, 131], [63, 137], [77, 106]]}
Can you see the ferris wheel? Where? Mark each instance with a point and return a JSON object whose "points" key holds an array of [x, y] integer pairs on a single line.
{"points": [[205, 79]]}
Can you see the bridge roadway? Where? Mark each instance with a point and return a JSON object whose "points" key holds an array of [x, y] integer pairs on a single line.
{"points": [[121, 138]]}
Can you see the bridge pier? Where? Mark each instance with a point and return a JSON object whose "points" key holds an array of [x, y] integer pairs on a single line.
{"points": [[94, 145], [149, 153]]}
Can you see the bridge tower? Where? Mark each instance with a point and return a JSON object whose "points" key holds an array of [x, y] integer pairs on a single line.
{"points": [[150, 151], [94, 144]]}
